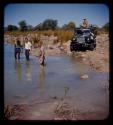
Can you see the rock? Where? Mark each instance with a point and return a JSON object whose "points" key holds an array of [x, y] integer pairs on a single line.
{"points": [[84, 59], [61, 48], [85, 76], [82, 55], [101, 52]]}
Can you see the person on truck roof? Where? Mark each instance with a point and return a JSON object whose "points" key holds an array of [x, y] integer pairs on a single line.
{"points": [[84, 24]]}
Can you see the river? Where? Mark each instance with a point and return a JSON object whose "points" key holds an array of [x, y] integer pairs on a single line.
{"points": [[26, 82]]}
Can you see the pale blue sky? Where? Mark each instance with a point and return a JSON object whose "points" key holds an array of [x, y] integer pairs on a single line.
{"points": [[36, 13]]}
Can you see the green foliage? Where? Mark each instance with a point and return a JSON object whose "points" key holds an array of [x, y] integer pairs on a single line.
{"points": [[49, 24], [38, 27], [23, 25], [11, 28], [30, 27], [49, 27], [70, 26]]}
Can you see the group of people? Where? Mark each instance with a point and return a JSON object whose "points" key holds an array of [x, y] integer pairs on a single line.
{"points": [[18, 48]]}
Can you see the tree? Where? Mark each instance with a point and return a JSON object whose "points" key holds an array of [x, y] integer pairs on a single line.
{"points": [[49, 24], [11, 27], [29, 27], [38, 27], [69, 26], [23, 25]]}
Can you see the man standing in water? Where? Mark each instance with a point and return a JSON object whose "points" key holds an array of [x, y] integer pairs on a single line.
{"points": [[17, 50], [27, 48], [42, 55]]}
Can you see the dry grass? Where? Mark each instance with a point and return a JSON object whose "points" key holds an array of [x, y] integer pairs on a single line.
{"points": [[13, 112], [62, 35], [65, 112]]}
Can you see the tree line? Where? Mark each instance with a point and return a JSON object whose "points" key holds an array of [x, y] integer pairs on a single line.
{"points": [[49, 24]]}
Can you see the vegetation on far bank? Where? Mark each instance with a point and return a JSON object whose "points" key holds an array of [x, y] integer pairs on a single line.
{"points": [[62, 36], [50, 27], [50, 24]]}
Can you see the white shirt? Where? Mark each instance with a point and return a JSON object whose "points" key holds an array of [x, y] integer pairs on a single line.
{"points": [[28, 45]]}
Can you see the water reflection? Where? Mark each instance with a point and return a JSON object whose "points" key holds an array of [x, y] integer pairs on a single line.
{"points": [[78, 66], [27, 71], [17, 66], [41, 76]]}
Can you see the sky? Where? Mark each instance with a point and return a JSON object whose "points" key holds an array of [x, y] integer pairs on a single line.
{"points": [[34, 14]]}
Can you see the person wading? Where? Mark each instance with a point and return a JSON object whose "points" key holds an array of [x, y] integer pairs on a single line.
{"points": [[27, 48], [42, 55], [17, 49]]}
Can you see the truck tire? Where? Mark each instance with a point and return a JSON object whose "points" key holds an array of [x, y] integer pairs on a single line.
{"points": [[71, 48], [91, 47]]}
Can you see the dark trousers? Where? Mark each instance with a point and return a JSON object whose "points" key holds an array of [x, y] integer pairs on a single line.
{"points": [[27, 54], [17, 53]]}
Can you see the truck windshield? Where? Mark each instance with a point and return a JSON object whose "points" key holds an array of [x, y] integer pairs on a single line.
{"points": [[86, 31], [79, 32]]}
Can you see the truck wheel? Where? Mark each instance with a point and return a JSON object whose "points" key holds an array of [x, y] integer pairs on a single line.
{"points": [[91, 47], [71, 49], [94, 45]]}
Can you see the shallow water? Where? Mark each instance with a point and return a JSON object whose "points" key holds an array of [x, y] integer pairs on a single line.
{"points": [[27, 82]]}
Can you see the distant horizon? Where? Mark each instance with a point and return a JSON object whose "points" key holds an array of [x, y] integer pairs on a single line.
{"points": [[34, 14]]}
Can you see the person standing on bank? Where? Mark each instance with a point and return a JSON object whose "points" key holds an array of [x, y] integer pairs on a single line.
{"points": [[17, 49], [27, 48]]}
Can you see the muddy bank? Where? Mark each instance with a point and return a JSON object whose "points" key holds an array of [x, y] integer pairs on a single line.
{"points": [[51, 110], [99, 58]]}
